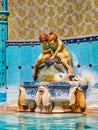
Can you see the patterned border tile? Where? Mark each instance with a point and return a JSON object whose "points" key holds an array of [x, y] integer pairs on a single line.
{"points": [[66, 41]]}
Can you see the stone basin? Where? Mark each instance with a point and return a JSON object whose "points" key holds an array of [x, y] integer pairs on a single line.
{"points": [[59, 92], [31, 87]]}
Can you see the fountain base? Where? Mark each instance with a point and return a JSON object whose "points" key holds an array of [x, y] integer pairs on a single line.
{"points": [[59, 92]]}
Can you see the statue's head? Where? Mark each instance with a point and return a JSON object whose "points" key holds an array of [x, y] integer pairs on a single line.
{"points": [[41, 90], [77, 91], [43, 38], [22, 90], [52, 37]]}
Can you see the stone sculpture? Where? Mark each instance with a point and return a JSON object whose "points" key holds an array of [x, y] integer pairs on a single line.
{"points": [[23, 103], [21, 98], [43, 100], [77, 100], [54, 57]]}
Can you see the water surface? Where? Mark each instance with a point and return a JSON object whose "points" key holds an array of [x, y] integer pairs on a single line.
{"points": [[32, 121]]}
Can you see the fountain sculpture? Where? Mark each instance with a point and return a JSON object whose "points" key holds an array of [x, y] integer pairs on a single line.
{"points": [[55, 79]]}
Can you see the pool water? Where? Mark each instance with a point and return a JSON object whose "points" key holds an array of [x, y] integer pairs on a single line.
{"points": [[31, 121]]}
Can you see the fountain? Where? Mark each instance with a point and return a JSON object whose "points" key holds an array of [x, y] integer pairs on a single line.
{"points": [[53, 72]]}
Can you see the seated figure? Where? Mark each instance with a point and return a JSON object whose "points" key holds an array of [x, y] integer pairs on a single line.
{"points": [[60, 51], [46, 53], [53, 51]]}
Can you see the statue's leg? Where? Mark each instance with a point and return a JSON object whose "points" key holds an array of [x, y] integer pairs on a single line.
{"points": [[35, 71], [71, 70], [67, 63], [46, 57], [39, 62]]}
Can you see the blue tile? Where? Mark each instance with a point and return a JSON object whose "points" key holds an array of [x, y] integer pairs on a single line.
{"points": [[94, 52], [13, 56], [36, 50], [80, 53], [13, 76], [26, 56], [26, 74], [3, 96]]}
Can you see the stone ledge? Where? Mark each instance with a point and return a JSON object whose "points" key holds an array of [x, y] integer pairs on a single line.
{"points": [[67, 84]]}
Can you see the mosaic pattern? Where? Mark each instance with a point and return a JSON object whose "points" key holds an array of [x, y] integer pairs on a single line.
{"points": [[68, 18], [1, 4]]}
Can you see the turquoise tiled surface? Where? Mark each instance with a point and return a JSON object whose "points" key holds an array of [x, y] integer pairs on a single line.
{"points": [[80, 52], [13, 56], [3, 37], [36, 50], [26, 74], [3, 96], [83, 54], [25, 55], [94, 68], [94, 52], [13, 76]]}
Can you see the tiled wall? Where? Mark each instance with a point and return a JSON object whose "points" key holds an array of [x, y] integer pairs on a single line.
{"points": [[20, 64], [68, 18], [3, 39]]}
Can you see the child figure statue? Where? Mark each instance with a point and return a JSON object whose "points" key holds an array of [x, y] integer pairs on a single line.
{"points": [[46, 53], [60, 51], [53, 49]]}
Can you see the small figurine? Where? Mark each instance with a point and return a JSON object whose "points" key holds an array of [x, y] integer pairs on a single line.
{"points": [[43, 100], [77, 100], [46, 101], [21, 98], [25, 104]]}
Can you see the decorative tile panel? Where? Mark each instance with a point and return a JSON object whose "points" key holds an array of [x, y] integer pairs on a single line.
{"points": [[67, 18]]}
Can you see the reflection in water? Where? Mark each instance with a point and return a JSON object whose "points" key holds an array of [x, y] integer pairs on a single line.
{"points": [[32, 121]]}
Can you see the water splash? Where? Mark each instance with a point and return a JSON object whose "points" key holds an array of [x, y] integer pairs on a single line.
{"points": [[90, 76]]}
